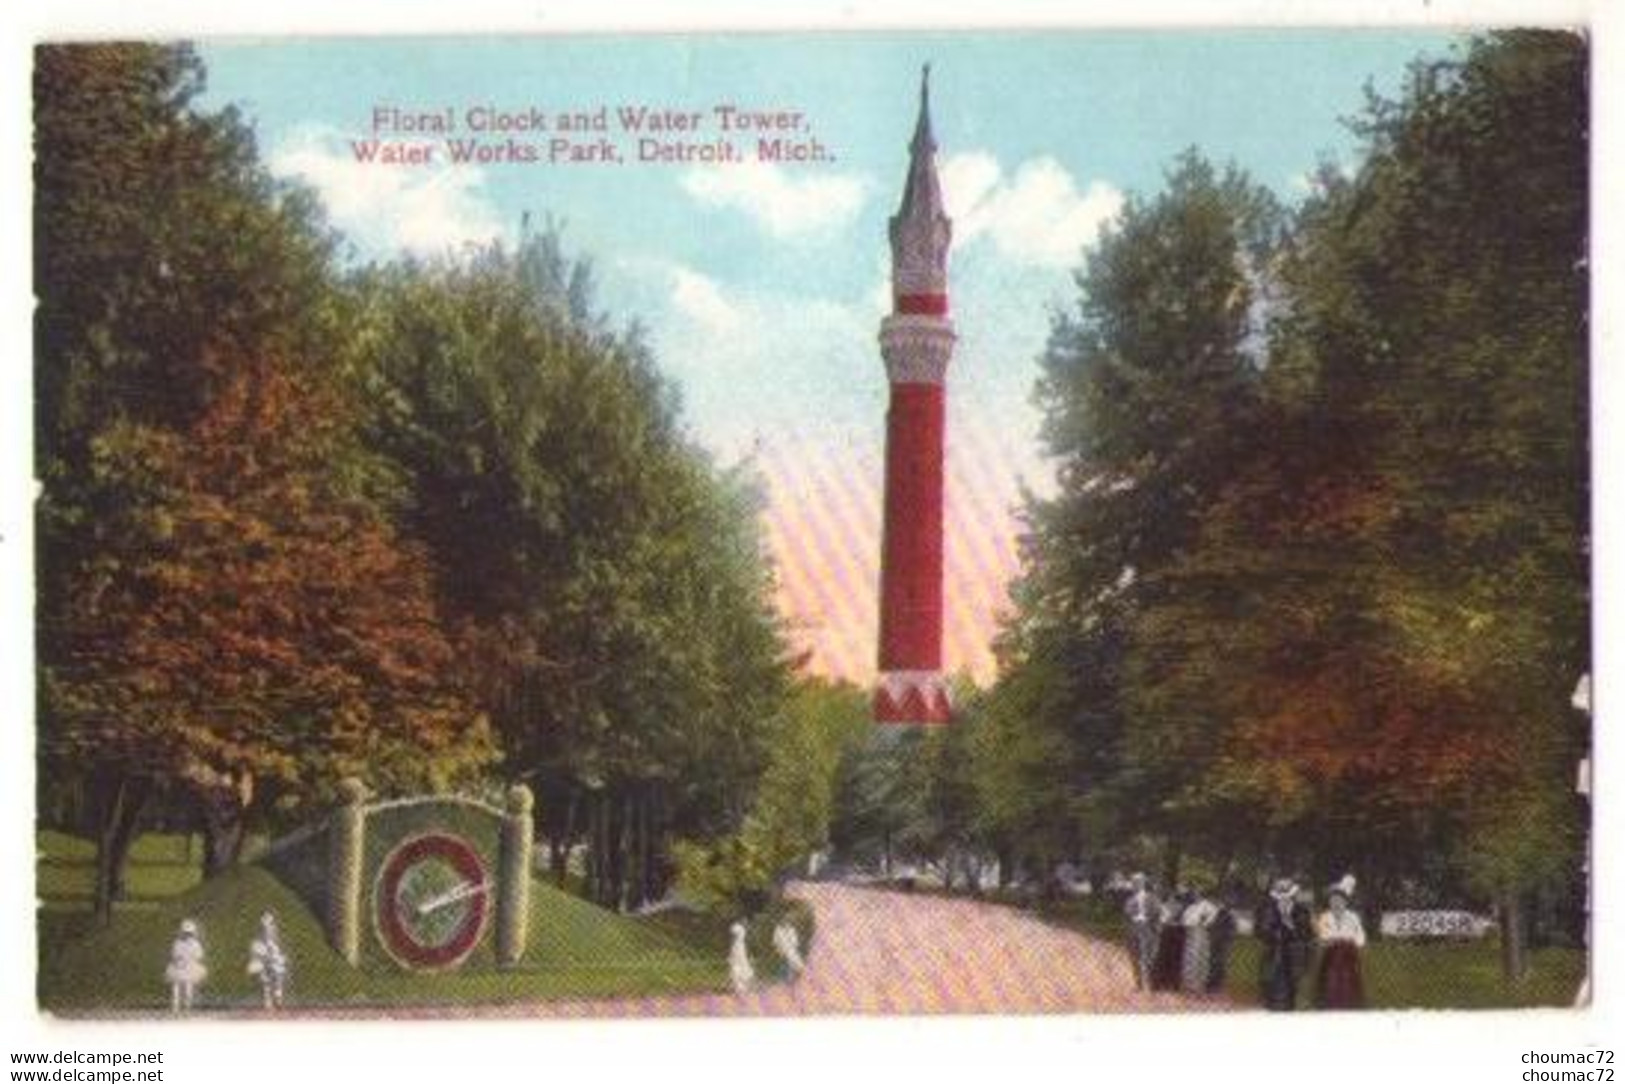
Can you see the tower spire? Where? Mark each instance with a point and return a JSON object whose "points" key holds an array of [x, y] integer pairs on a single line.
{"points": [[922, 194]]}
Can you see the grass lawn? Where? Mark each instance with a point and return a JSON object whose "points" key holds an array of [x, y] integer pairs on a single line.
{"points": [[159, 866], [1397, 974], [575, 950]]}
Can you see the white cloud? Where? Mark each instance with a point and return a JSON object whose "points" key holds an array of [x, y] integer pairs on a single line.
{"points": [[426, 210], [785, 206], [1036, 216], [700, 300]]}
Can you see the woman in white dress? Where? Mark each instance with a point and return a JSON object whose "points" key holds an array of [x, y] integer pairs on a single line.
{"points": [[185, 970], [1339, 984], [1197, 961]]}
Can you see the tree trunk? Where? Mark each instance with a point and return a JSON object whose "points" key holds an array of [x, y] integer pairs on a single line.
{"points": [[640, 876], [120, 811], [123, 830], [620, 846], [1514, 961], [223, 830], [595, 847]]}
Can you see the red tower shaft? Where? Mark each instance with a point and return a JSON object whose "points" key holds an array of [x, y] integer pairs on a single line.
{"points": [[911, 558]]}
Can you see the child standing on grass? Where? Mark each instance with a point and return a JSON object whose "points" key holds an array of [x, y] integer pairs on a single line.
{"points": [[186, 970], [268, 963]]}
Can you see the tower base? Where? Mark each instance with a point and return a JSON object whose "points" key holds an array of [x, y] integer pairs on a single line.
{"points": [[912, 698]]}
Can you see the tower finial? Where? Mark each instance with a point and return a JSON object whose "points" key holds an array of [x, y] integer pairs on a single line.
{"points": [[922, 127]]}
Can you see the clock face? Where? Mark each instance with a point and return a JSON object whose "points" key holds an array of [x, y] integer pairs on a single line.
{"points": [[431, 901]]}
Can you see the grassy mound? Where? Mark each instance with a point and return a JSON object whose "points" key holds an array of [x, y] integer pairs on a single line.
{"points": [[575, 950]]}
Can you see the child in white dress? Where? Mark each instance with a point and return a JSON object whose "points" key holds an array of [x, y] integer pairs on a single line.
{"points": [[739, 969], [185, 970]]}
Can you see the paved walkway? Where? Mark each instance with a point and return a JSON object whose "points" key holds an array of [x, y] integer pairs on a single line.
{"points": [[890, 952]]}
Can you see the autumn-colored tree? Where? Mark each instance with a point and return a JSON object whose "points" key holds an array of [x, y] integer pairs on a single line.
{"points": [[223, 613], [1426, 498], [1325, 610], [245, 631]]}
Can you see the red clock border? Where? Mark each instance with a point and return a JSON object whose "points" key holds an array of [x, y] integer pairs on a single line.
{"points": [[396, 939]]}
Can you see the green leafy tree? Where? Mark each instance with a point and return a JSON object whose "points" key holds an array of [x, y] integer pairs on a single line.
{"points": [[795, 804], [1148, 389], [606, 581]]}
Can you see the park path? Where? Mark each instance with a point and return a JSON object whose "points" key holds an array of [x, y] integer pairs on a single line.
{"points": [[879, 952]]}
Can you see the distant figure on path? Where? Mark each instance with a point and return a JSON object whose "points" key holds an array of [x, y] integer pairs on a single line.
{"points": [[739, 969], [1167, 969], [788, 944], [185, 970], [1144, 913], [1197, 959], [1283, 928], [1338, 984], [268, 962]]}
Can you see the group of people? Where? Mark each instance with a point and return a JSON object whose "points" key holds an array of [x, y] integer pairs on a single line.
{"points": [[1178, 943], [1183, 943], [187, 967]]}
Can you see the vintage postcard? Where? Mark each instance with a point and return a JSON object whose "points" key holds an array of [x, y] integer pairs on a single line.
{"points": [[913, 523]]}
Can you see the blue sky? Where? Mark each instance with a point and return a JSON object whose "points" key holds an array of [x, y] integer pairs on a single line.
{"points": [[1089, 116], [762, 286]]}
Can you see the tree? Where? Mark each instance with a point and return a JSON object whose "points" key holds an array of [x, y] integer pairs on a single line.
{"points": [[795, 804], [1315, 583], [606, 581], [1149, 387], [1442, 294], [1357, 650], [246, 630], [225, 614]]}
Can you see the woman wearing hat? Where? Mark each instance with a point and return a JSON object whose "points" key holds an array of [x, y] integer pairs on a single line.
{"points": [[1338, 984], [1283, 928], [1144, 912]]}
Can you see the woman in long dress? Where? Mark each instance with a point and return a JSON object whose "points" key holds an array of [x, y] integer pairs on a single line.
{"points": [[1197, 962], [1339, 984], [1166, 970], [1283, 929]]}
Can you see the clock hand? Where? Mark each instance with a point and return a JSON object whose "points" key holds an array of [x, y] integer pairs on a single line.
{"points": [[446, 899]]}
